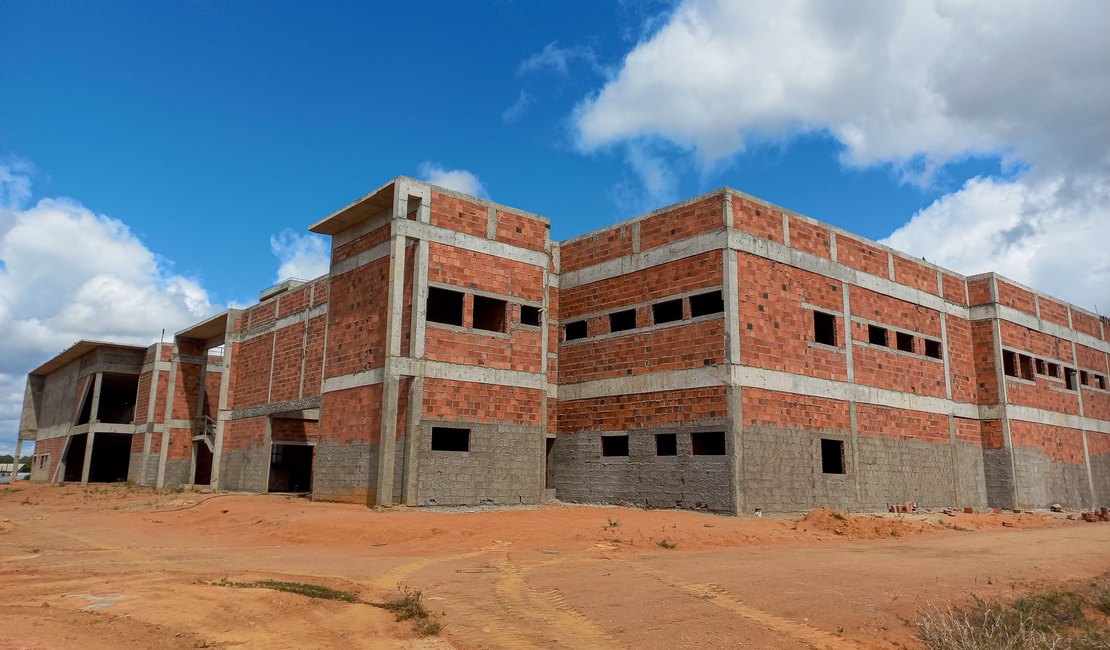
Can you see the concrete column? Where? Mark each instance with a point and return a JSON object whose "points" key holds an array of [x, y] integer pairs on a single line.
{"points": [[91, 437], [164, 449], [222, 409], [15, 461], [733, 396], [416, 388], [387, 446]]}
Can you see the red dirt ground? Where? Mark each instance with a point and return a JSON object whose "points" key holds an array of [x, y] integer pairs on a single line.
{"points": [[112, 567]]}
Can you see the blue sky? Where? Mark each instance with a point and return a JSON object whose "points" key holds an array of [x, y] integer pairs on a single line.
{"points": [[159, 147]]}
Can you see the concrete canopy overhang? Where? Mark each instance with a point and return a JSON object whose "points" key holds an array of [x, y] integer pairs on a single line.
{"points": [[76, 351], [207, 330], [368, 206]]}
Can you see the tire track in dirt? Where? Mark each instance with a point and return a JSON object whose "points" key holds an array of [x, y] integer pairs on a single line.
{"points": [[717, 595], [397, 574], [549, 609]]}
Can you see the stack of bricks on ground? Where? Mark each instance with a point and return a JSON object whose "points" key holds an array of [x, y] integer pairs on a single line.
{"points": [[721, 353]]}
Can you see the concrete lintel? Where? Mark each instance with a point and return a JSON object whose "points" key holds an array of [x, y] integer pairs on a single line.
{"points": [[669, 252], [108, 427], [353, 380], [776, 252], [280, 409], [366, 226], [1006, 313], [156, 366], [652, 382], [367, 256], [406, 366], [786, 382], [426, 231]]}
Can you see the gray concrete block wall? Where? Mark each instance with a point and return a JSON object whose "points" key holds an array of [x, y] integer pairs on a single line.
{"points": [[781, 471], [1041, 481], [998, 478], [177, 473], [135, 472], [504, 466], [583, 475], [970, 477], [897, 471], [344, 472], [1100, 473], [244, 470]]}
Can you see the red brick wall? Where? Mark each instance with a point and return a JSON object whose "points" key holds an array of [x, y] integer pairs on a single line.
{"points": [[250, 368], [486, 403], [643, 410], [1053, 311], [655, 283], [519, 349], [884, 368], [361, 243], [244, 433], [757, 219], [810, 238], [969, 431], [1016, 297], [352, 415], [915, 274], [142, 398], [519, 230], [473, 270], [1058, 443], [459, 214], [682, 223], [775, 329], [597, 248], [979, 291], [54, 447], [886, 310], [294, 300], [637, 353], [955, 288], [356, 319], [902, 424], [1085, 323], [791, 411], [864, 257], [986, 377], [287, 430], [992, 436], [286, 381], [961, 359], [314, 356]]}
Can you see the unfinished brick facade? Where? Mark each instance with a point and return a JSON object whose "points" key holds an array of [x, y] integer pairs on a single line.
{"points": [[721, 353]]}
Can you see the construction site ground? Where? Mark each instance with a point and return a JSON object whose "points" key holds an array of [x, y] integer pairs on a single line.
{"points": [[123, 567]]}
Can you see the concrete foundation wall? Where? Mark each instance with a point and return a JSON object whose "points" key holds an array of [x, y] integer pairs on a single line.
{"points": [[583, 475], [1100, 471], [135, 472], [177, 473], [504, 466], [1042, 481], [345, 472], [781, 470], [998, 477], [244, 470]]}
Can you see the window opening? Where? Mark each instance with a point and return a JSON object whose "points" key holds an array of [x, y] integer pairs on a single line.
{"points": [[1026, 366], [904, 341], [832, 456], [1069, 379], [445, 306], [707, 443], [529, 315], [824, 328], [932, 348], [706, 303], [614, 445], [450, 439], [1009, 363], [489, 314], [620, 321], [667, 311], [575, 330], [666, 444], [876, 335]]}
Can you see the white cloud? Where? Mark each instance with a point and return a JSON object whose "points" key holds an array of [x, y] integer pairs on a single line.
{"points": [[306, 257], [66, 274], [892, 81], [1041, 232], [459, 180], [513, 113], [559, 59], [913, 85]]}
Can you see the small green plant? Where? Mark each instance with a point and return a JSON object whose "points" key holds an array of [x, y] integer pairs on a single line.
{"points": [[839, 516], [408, 606], [614, 523], [300, 588], [665, 543], [26, 501], [34, 551]]}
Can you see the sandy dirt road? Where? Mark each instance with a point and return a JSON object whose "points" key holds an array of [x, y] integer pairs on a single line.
{"points": [[117, 567]]}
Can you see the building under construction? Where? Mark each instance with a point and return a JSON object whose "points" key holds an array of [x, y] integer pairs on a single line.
{"points": [[721, 353]]}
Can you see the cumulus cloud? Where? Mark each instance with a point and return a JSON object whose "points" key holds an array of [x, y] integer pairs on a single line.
{"points": [[910, 85], [459, 180], [305, 257], [67, 273]]}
